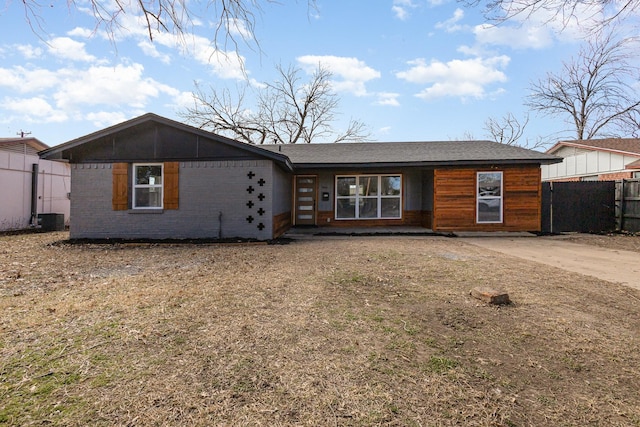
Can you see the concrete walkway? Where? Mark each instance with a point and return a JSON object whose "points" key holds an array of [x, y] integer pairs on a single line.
{"points": [[607, 264]]}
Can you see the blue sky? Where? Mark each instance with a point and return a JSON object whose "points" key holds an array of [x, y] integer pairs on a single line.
{"points": [[409, 69]]}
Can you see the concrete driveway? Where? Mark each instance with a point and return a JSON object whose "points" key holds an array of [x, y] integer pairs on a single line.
{"points": [[607, 264]]}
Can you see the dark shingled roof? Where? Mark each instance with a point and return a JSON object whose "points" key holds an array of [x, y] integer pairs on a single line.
{"points": [[423, 153], [622, 145]]}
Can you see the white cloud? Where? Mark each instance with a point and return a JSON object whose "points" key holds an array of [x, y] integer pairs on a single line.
{"points": [[23, 80], [34, 109], [113, 86], [81, 32], [517, 37], [352, 73], [151, 50], [67, 48], [456, 78], [28, 51], [238, 27], [539, 29], [182, 99], [70, 92], [451, 25], [104, 119], [401, 8], [388, 98], [226, 65]]}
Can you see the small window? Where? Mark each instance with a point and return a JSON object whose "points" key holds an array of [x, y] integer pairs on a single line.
{"points": [[489, 197], [147, 186]]}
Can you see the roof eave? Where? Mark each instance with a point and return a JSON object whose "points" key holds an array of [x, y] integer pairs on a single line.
{"points": [[425, 164], [561, 144]]}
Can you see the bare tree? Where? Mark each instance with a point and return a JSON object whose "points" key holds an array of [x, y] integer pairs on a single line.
{"points": [[235, 19], [593, 92], [509, 130], [506, 130], [288, 111], [600, 13]]}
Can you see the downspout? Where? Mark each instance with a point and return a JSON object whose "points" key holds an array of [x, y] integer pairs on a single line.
{"points": [[219, 225], [34, 195]]}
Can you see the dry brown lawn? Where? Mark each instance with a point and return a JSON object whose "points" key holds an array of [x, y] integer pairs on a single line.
{"points": [[356, 331]]}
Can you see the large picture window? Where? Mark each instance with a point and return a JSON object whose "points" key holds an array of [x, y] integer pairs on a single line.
{"points": [[147, 186], [489, 197], [369, 197]]}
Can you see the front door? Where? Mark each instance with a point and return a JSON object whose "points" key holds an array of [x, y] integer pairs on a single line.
{"points": [[305, 200]]}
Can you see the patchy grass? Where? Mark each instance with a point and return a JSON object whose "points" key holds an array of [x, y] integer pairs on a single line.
{"points": [[352, 331]]}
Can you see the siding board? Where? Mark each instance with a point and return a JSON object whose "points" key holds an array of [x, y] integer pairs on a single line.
{"points": [[455, 199]]}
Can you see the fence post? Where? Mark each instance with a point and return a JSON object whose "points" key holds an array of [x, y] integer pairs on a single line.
{"points": [[621, 218], [551, 207]]}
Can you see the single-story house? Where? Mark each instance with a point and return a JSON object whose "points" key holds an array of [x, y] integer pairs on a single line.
{"points": [[152, 177], [594, 160], [31, 185]]}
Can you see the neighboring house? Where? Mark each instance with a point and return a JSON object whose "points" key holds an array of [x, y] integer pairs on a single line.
{"points": [[151, 177], [29, 185], [594, 160]]}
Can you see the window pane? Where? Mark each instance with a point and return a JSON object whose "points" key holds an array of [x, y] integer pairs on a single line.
{"points": [[368, 186], [346, 208], [489, 184], [148, 197], [489, 210], [390, 207], [369, 208], [390, 185], [346, 186], [149, 175]]}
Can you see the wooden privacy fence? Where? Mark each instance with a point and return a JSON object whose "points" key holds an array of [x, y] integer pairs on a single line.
{"points": [[583, 206], [591, 206], [627, 210]]}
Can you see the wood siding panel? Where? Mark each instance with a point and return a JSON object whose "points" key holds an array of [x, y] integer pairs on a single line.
{"points": [[120, 193], [171, 185], [455, 199], [281, 223]]}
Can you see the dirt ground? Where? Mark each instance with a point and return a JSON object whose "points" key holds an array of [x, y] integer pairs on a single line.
{"points": [[613, 258], [353, 331]]}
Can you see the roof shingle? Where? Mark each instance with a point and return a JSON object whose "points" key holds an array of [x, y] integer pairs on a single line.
{"points": [[408, 153]]}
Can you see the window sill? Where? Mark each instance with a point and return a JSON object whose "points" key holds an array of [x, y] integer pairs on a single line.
{"points": [[146, 211]]}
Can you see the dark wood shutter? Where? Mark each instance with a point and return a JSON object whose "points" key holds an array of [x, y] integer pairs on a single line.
{"points": [[120, 196], [171, 187]]}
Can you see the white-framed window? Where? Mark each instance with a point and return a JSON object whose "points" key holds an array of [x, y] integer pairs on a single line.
{"points": [[368, 197], [147, 185], [489, 197]]}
